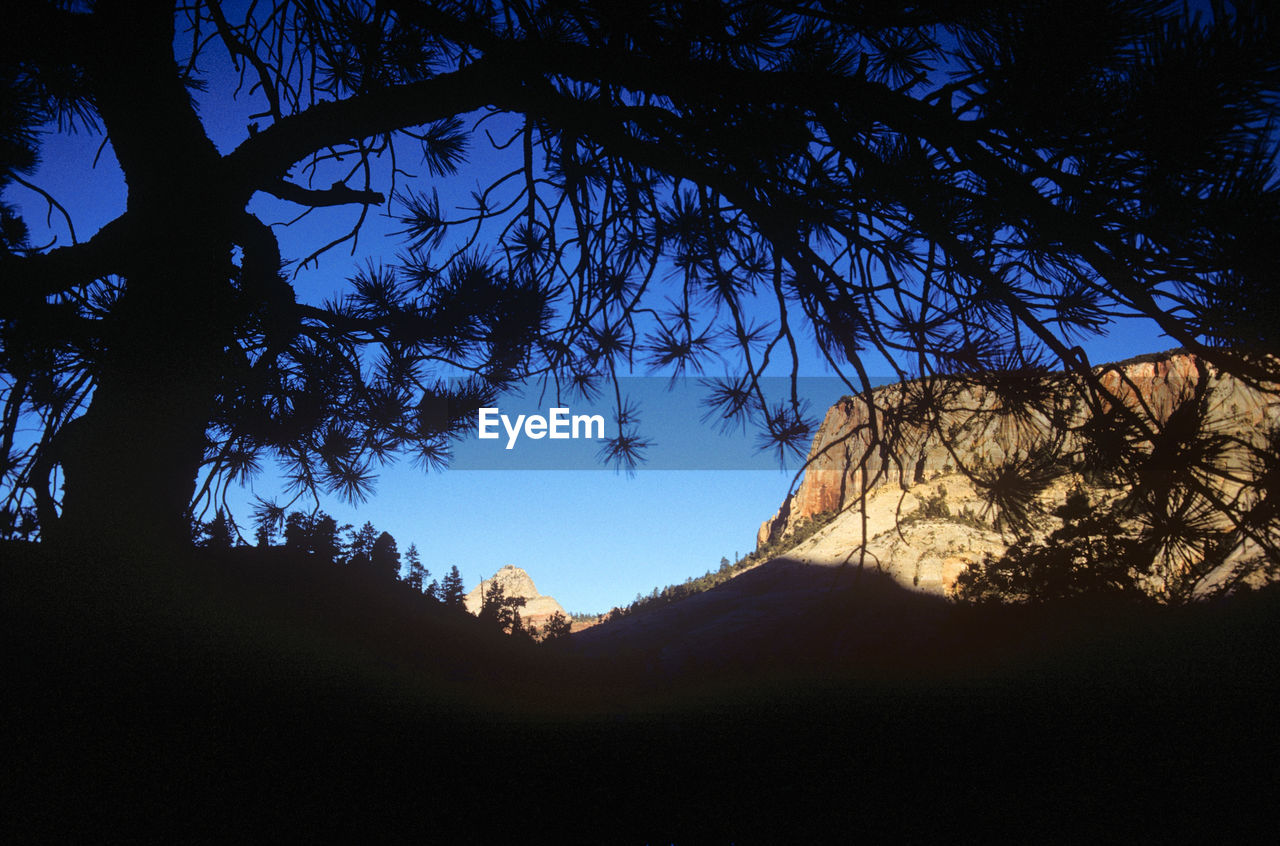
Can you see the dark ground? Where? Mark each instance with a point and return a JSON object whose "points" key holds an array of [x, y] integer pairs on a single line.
{"points": [[211, 699]]}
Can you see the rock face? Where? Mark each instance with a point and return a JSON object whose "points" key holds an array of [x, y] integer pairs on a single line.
{"points": [[869, 588], [516, 582], [840, 457], [871, 489]]}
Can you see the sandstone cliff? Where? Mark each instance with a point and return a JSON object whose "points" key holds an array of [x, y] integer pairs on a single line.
{"points": [[871, 489], [517, 583]]}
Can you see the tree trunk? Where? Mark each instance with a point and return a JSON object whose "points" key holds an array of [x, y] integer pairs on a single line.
{"points": [[130, 463]]}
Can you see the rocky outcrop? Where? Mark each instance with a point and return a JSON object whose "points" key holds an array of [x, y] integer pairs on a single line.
{"points": [[923, 554], [516, 583], [879, 494], [911, 419], [869, 586]]}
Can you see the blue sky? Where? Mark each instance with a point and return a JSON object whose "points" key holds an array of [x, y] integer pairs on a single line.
{"points": [[591, 538]]}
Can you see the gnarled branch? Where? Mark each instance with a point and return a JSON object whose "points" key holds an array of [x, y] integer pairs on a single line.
{"points": [[336, 195]]}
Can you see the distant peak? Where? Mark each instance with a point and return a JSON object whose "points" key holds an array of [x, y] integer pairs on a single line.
{"points": [[514, 582]]}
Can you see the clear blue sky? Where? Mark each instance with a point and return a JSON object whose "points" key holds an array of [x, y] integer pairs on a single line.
{"points": [[591, 538]]}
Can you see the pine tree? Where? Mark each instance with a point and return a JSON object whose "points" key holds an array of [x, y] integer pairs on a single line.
{"points": [[451, 592], [492, 595], [268, 521], [325, 543], [501, 611], [297, 532], [315, 535], [956, 189], [384, 557], [360, 545], [218, 533], [556, 629], [416, 574]]}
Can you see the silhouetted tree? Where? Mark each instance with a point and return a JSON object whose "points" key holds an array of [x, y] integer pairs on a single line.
{"points": [[268, 520], [297, 532], [556, 629], [313, 534], [21, 524], [360, 545], [960, 188], [1091, 554], [415, 573], [451, 592], [325, 541], [1172, 550], [519, 629], [501, 611], [384, 558], [218, 533]]}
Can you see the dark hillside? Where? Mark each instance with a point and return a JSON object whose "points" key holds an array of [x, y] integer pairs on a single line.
{"points": [[257, 695]]}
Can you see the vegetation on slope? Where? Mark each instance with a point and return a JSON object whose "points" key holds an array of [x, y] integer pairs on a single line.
{"points": [[691, 586]]}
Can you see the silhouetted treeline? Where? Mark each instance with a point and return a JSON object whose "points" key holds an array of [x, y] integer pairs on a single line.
{"points": [[318, 536]]}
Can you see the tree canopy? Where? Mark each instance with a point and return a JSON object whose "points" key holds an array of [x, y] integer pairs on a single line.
{"points": [[451, 591], [499, 610], [943, 189]]}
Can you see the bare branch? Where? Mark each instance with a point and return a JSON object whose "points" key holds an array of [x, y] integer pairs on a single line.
{"points": [[53, 204], [237, 47], [57, 271], [336, 195]]}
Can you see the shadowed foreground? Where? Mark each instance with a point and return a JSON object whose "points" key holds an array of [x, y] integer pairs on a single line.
{"points": [[258, 694]]}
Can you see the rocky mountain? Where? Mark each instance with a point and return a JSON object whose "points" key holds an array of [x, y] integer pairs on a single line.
{"points": [[870, 491], [840, 456], [516, 582], [898, 527]]}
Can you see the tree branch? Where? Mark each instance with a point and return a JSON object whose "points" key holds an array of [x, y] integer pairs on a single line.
{"points": [[261, 161], [237, 47], [53, 204], [42, 275], [336, 195]]}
